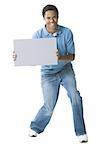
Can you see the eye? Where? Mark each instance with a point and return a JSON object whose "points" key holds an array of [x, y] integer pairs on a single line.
{"points": [[48, 18], [54, 17]]}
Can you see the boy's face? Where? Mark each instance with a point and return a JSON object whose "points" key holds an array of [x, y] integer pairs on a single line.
{"points": [[51, 19]]}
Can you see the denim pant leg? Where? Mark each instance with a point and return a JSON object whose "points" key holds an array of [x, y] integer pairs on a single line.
{"points": [[69, 83], [50, 89]]}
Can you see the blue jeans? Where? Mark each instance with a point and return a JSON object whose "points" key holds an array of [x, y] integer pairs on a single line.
{"points": [[50, 88]]}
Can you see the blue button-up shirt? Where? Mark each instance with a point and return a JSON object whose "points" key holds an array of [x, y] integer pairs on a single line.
{"points": [[65, 45]]}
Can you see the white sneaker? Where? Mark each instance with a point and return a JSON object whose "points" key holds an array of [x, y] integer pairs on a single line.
{"points": [[32, 133], [83, 138]]}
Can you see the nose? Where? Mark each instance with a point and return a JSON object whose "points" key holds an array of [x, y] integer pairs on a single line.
{"points": [[51, 20]]}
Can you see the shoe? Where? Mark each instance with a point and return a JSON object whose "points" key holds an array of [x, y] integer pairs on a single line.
{"points": [[32, 133], [83, 138]]}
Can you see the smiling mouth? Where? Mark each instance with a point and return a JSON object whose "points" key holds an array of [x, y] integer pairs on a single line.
{"points": [[53, 24]]}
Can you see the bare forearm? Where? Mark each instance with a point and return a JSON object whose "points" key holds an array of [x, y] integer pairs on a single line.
{"points": [[69, 57]]}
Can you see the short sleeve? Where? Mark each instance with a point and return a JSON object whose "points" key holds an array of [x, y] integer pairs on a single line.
{"points": [[37, 35], [70, 46]]}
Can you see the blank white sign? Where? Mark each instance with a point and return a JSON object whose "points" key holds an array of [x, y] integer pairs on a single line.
{"points": [[32, 52]]}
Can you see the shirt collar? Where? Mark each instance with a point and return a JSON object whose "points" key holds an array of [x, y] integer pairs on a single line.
{"points": [[55, 34]]}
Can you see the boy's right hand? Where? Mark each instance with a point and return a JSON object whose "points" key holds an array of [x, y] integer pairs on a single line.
{"points": [[14, 56]]}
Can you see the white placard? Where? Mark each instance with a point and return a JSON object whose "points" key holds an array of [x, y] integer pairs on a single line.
{"points": [[32, 52]]}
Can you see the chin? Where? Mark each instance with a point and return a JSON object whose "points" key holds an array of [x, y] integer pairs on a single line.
{"points": [[53, 26]]}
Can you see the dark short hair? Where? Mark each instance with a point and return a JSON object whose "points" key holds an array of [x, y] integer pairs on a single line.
{"points": [[50, 7]]}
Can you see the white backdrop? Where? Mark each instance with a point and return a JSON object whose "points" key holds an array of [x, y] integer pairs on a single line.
{"points": [[20, 91]]}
